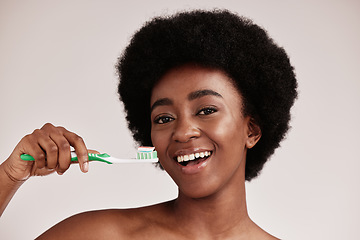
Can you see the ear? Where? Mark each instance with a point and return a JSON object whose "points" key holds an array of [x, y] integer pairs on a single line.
{"points": [[253, 133]]}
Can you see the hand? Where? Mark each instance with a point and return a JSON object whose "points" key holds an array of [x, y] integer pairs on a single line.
{"points": [[50, 147]]}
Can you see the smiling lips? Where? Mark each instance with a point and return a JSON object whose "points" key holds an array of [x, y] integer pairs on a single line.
{"points": [[185, 159]]}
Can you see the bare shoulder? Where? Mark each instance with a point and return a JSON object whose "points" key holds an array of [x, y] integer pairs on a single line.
{"points": [[259, 233], [109, 224], [87, 225]]}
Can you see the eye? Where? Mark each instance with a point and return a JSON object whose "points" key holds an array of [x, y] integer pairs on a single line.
{"points": [[163, 119], [207, 111]]}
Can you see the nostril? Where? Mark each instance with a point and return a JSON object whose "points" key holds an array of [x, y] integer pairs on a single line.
{"points": [[184, 135], [185, 139]]}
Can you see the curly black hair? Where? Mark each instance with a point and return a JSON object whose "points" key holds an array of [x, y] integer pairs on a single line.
{"points": [[217, 39]]}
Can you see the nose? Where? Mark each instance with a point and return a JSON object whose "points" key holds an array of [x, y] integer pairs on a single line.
{"points": [[185, 130]]}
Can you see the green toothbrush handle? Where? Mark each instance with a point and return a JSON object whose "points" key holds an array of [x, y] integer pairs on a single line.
{"points": [[92, 157], [27, 157]]}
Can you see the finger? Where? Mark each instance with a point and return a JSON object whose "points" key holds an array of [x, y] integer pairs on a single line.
{"points": [[48, 127], [64, 157], [93, 151], [47, 144], [80, 148], [51, 150]]}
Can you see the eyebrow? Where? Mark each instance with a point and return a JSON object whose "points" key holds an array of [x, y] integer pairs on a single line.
{"points": [[202, 93], [191, 96], [161, 102]]}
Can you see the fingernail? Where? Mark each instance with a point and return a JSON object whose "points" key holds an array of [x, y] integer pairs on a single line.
{"points": [[86, 166]]}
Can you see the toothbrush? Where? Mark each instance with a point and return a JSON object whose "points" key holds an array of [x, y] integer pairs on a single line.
{"points": [[144, 155]]}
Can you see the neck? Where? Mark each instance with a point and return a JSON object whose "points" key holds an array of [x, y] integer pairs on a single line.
{"points": [[223, 212]]}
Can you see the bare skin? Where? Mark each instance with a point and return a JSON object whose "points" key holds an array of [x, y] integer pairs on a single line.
{"points": [[193, 110]]}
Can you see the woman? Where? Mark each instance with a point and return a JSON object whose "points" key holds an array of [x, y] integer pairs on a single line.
{"points": [[212, 92]]}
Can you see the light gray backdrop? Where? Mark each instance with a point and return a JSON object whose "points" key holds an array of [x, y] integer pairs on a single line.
{"points": [[57, 65]]}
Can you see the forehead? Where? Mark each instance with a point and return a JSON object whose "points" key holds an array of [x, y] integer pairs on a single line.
{"points": [[186, 79]]}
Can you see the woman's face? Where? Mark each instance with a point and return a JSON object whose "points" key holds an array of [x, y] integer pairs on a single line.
{"points": [[197, 115]]}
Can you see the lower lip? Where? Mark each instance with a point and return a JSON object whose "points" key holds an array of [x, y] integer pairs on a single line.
{"points": [[193, 169]]}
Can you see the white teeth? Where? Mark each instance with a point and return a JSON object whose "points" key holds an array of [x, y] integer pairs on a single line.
{"points": [[193, 156]]}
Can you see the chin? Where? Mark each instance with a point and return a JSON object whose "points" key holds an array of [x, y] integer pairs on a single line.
{"points": [[199, 190]]}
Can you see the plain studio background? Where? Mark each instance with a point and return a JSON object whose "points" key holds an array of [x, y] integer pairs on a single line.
{"points": [[57, 65]]}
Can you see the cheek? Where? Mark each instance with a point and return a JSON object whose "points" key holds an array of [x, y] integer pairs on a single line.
{"points": [[160, 141], [228, 131]]}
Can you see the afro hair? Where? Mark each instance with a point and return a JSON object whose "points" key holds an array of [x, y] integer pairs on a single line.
{"points": [[219, 39]]}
